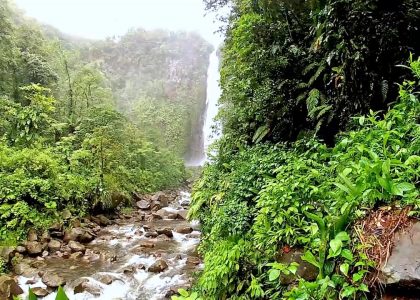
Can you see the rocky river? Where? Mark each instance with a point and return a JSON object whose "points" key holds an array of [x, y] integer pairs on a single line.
{"points": [[146, 253]]}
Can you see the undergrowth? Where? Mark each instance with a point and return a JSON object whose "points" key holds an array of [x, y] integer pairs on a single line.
{"points": [[305, 196]]}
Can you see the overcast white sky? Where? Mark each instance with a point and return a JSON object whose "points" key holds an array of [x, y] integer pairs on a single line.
{"points": [[102, 18]]}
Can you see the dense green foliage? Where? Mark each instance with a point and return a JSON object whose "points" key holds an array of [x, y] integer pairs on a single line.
{"points": [[296, 165], [82, 127], [291, 68], [305, 195]]}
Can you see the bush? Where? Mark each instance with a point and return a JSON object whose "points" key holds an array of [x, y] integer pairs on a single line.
{"points": [[306, 195]]}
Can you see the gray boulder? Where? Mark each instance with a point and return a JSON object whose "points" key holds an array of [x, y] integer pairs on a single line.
{"points": [[403, 266], [53, 280]]}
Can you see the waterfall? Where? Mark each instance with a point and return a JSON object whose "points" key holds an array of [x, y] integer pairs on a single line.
{"points": [[208, 135]]}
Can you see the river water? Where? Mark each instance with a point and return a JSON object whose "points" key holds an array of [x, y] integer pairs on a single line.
{"points": [[115, 253]]}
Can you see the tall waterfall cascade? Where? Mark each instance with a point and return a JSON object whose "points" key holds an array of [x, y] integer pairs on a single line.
{"points": [[209, 135]]}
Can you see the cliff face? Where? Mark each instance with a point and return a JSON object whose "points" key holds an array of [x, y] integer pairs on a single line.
{"points": [[159, 80]]}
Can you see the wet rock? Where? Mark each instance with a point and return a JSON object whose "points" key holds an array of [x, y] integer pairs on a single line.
{"points": [[76, 247], [40, 292], [158, 267], [37, 264], [143, 205], [193, 261], [107, 279], [151, 234], [166, 231], [9, 288], [86, 237], [403, 266], [7, 253], [87, 286], [182, 214], [73, 234], [162, 198], [56, 230], [172, 216], [31, 281], [53, 280], [32, 236], [24, 269], [147, 244], [21, 249], [45, 237], [54, 245], [104, 221], [162, 213], [184, 229], [34, 248], [45, 254], [156, 216], [305, 269], [129, 270], [76, 223], [76, 255]]}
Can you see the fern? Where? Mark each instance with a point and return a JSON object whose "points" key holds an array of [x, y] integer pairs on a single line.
{"points": [[260, 134]]}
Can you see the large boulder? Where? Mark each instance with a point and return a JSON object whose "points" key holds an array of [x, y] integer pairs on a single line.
{"points": [[403, 266], [73, 234], [54, 245], [87, 287], [53, 280], [158, 267], [166, 231], [76, 247], [7, 253], [9, 288], [34, 248], [184, 229], [32, 235], [162, 198], [143, 204]]}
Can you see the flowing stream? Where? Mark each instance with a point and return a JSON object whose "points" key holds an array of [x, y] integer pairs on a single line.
{"points": [[208, 134], [117, 255]]}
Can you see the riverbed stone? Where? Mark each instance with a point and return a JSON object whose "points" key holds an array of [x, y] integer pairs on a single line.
{"points": [[53, 280], [9, 288], [193, 261], [166, 231], [73, 234], [107, 279], [76, 247], [182, 214], [7, 253], [20, 249], [184, 229], [151, 234], [158, 267], [76, 255], [143, 205], [147, 244], [32, 235], [403, 266], [40, 292], [87, 286], [54, 245], [24, 269], [34, 248]]}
